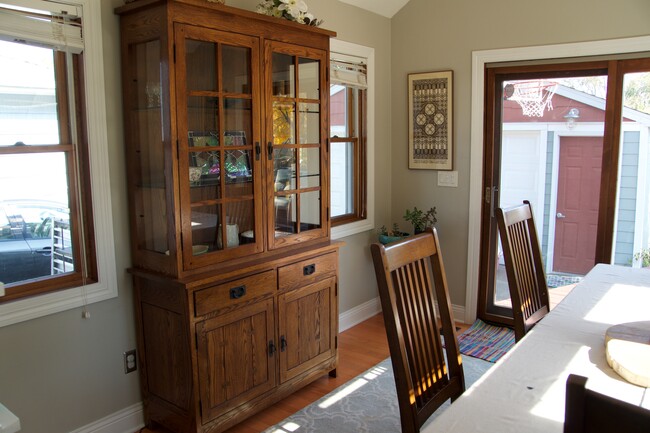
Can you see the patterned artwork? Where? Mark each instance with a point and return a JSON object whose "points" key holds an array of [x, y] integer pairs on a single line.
{"points": [[430, 126]]}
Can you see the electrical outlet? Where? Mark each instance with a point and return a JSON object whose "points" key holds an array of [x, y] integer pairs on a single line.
{"points": [[130, 361]]}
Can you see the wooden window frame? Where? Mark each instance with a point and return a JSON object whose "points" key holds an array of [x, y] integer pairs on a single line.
{"points": [[358, 138], [78, 175]]}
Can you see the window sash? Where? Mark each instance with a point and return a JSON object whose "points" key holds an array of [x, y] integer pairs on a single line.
{"points": [[348, 70]]}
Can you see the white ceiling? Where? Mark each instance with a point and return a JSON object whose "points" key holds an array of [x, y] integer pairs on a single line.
{"points": [[387, 8]]}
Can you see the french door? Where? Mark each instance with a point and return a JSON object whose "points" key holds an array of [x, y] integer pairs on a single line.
{"points": [[572, 139]]}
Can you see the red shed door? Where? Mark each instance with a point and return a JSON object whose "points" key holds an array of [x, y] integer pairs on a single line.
{"points": [[576, 217]]}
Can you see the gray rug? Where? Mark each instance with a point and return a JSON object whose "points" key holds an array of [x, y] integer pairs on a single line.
{"points": [[365, 404]]}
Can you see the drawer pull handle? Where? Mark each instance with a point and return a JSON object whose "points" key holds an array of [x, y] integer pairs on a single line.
{"points": [[271, 348], [269, 150], [309, 269], [237, 292]]}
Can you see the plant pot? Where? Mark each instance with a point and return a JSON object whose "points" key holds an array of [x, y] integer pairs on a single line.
{"points": [[385, 239]]}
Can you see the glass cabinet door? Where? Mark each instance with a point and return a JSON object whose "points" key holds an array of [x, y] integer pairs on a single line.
{"points": [[148, 162], [219, 150], [296, 128]]}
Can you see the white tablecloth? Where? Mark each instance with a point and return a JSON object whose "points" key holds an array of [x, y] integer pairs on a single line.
{"points": [[525, 390]]}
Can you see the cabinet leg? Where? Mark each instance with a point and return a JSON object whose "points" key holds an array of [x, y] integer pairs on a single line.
{"points": [[333, 373]]}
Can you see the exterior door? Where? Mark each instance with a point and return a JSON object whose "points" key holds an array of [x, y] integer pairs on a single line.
{"points": [[576, 218]]}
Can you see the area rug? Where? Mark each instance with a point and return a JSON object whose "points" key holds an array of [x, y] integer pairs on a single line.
{"points": [[486, 341], [365, 404]]}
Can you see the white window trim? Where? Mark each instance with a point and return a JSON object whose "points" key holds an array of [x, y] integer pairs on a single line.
{"points": [[342, 47], [106, 287], [479, 60]]}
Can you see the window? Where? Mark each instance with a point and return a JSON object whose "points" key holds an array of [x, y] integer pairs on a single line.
{"points": [[52, 145], [351, 138]]}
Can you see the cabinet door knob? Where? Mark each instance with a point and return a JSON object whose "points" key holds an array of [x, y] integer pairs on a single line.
{"points": [[283, 343], [258, 150], [269, 149], [271, 348]]}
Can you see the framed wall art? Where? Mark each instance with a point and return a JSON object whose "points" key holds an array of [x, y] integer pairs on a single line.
{"points": [[430, 120]]}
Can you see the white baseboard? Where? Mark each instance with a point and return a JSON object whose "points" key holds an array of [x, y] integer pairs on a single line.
{"points": [[127, 420], [131, 419], [368, 309], [359, 313]]}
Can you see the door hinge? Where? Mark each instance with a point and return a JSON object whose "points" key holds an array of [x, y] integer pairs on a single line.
{"points": [[336, 342], [174, 53], [327, 145], [336, 289]]}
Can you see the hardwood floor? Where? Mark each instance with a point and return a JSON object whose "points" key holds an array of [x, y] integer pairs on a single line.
{"points": [[360, 347]]}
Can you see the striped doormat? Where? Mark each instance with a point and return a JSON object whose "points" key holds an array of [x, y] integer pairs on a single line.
{"points": [[486, 341]]}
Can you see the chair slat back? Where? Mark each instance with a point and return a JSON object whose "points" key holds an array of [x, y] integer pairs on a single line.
{"points": [[588, 411], [411, 278], [524, 267]]}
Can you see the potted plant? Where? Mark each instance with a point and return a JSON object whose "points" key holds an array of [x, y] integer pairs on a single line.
{"points": [[644, 257], [392, 235], [421, 219]]}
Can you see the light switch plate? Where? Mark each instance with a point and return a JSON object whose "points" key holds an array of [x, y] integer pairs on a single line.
{"points": [[448, 178]]}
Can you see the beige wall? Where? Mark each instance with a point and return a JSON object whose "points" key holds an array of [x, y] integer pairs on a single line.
{"points": [[441, 35]]}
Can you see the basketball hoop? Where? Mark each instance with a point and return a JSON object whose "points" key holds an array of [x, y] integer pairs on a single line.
{"points": [[532, 96]]}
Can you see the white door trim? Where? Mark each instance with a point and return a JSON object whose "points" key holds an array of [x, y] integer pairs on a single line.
{"points": [[479, 60]]}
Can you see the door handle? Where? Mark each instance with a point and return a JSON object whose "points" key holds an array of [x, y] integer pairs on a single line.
{"points": [[560, 215]]}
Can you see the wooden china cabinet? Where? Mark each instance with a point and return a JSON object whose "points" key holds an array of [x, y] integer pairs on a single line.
{"points": [[235, 276]]}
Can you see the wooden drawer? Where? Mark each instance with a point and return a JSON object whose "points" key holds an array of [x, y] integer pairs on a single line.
{"points": [[307, 271], [234, 293]]}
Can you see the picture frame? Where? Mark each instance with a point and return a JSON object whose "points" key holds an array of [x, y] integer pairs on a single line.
{"points": [[430, 126]]}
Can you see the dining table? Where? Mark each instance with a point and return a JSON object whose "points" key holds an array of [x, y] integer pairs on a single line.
{"points": [[525, 390]]}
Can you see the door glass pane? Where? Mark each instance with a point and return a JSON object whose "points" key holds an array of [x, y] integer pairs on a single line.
{"points": [[238, 122], [284, 123], [285, 215], [308, 78], [632, 236], [310, 210], [201, 65], [236, 69], [284, 162], [283, 75], [239, 170], [551, 155], [309, 167], [206, 220], [204, 176], [203, 121], [240, 221], [34, 217], [309, 123]]}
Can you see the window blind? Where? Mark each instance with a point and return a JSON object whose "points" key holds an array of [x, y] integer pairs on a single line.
{"points": [[348, 70], [41, 22]]}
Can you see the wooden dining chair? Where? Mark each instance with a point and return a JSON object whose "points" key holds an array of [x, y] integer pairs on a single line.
{"points": [[587, 411], [411, 279], [524, 267]]}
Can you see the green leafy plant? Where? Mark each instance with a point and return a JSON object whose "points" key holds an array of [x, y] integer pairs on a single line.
{"points": [[421, 219], [394, 231], [644, 257]]}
